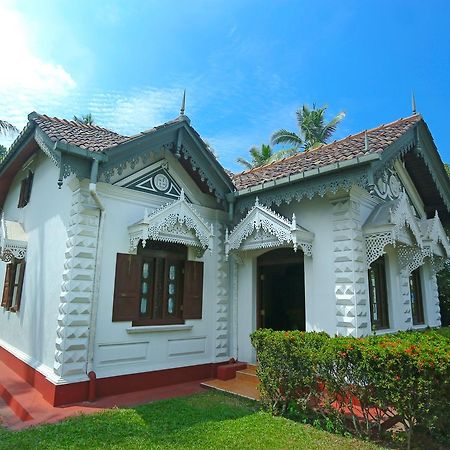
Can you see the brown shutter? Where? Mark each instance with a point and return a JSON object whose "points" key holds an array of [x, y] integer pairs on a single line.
{"points": [[7, 285], [193, 290], [23, 189], [127, 288], [16, 306], [29, 186]]}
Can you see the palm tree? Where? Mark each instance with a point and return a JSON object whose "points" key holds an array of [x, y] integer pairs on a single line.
{"points": [[313, 129], [264, 155], [86, 119], [7, 128]]}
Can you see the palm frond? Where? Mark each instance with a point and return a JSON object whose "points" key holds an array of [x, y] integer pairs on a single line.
{"points": [[245, 163], [286, 137], [7, 128]]}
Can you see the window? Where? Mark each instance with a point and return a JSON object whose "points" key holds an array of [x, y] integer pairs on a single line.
{"points": [[12, 288], [25, 190], [378, 294], [158, 286], [415, 290]]}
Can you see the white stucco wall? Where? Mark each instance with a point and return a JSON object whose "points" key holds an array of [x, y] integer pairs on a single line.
{"points": [[320, 303], [117, 351], [31, 332]]}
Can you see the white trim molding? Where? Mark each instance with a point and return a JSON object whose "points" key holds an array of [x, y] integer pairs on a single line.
{"points": [[177, 222], [13, 240], [264, 228], [387, 225]]}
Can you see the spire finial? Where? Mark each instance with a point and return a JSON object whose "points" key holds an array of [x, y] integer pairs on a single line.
{"points": [[183, 104], [366, 141], [413, 103]]}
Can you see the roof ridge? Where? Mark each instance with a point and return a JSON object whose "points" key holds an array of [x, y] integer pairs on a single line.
{"points": [[323, 146], [77, 124]]}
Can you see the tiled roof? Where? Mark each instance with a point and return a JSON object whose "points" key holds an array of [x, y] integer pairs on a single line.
{"points": [[90, 137], [345, 149]]}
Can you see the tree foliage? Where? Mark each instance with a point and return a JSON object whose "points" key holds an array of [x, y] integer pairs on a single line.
{"points": [[313, 129], [7, 128], [264, 155], [86, 119]]}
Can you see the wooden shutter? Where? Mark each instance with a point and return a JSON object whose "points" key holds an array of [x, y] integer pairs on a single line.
{"points": [[193, 290], [16, 306], [29, 186], [7, 285], [127, 288], [23, 189]]}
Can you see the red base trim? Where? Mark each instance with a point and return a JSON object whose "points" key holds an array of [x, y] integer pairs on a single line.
{"points": [[65, 394]]}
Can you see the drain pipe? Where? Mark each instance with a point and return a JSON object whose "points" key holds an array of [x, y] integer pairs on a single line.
{"points": [[94, 306]]}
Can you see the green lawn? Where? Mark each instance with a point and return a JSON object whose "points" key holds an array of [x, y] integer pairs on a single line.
{"points": [[207, 420]]}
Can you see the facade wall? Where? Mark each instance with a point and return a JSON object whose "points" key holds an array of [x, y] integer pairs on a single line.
{"points": [[30, 333], [315, 215], [120, 348]]}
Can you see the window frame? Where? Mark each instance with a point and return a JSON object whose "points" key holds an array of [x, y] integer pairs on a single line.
{"points": [[156, 254], [415, 290], [13, 285], [380, 287], [25, 190]]}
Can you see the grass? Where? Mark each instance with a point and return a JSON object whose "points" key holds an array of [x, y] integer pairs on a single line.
{"points": [[201, 421]]}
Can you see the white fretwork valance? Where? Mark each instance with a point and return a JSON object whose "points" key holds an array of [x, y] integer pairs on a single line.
{"points": [[391, 222], [177, 222], [264, 228], [13, 240]]}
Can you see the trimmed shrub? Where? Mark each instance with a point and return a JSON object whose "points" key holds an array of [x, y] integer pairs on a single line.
{"points": [[372, 382]]}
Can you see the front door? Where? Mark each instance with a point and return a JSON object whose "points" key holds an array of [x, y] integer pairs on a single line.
{"points": [[281, 290]]}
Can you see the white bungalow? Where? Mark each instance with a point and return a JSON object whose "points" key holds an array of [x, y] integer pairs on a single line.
{"points": [[141, 260]]}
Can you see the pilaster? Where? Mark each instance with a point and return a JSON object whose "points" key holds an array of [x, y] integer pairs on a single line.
{"points": [[77, 288], [350, 269], [222, 298]]}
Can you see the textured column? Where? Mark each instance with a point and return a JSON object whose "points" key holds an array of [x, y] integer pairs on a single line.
{"points": [[77, 287], [405, 320], [434, 319], [350, 269], [222, 310]]}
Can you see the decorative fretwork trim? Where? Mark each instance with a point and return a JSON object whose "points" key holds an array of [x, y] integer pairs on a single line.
{"points": [[434, 234], [410, 257], [264, 228], [388, 186], [176, 222], [308, 189], [13, 241], [400, 215]]}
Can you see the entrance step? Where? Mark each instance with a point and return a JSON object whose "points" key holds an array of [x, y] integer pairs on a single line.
{"points": [[245, 383]]}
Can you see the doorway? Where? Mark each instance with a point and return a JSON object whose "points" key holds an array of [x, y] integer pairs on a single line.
{"points": [[281, 290]]}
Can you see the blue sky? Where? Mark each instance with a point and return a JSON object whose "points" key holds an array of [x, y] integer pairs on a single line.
{"points": [[247, 65]]}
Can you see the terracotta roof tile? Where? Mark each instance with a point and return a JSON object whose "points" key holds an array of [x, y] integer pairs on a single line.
{"points": [[345, 149], [90, 137]]}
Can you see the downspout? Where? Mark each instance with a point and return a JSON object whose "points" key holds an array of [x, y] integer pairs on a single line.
{"points": [[94, 306], [232, 282]]}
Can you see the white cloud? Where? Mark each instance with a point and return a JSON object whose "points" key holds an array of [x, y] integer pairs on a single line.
{"points": [[22, 70]]}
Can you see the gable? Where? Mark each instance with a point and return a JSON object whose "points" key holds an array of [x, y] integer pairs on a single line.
{"points": [[154, 179]]}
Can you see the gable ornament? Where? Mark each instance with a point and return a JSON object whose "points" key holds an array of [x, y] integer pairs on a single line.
{"points": [[264, 228], [177, 222]]}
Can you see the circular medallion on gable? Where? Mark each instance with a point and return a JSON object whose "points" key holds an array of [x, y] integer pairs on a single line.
{"points": [[161, 182], [395, 186]]}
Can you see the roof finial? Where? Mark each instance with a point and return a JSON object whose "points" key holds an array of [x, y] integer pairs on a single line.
{"points": [[366, 141], [413, 101], [183, 103]]}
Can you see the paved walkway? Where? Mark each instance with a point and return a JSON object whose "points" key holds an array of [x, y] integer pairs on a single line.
{"points": [[22, 406]]}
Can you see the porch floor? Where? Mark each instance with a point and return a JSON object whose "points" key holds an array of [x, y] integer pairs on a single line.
{"points": [[245, 384]]}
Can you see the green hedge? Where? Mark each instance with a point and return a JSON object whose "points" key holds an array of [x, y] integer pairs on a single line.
{"points": [[371, 383]]}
